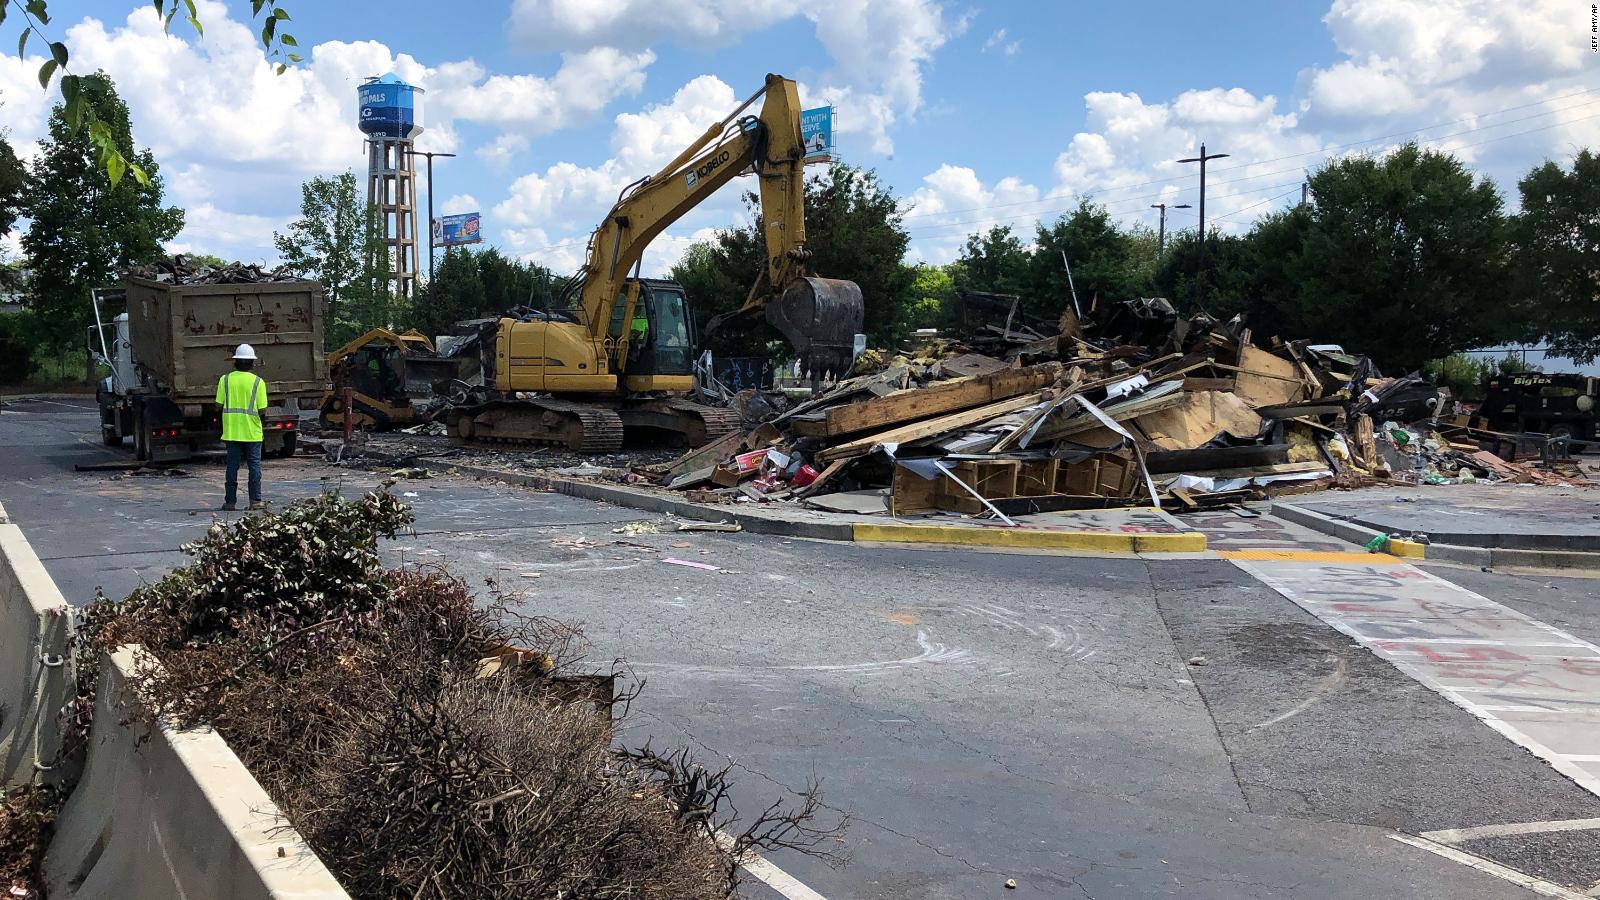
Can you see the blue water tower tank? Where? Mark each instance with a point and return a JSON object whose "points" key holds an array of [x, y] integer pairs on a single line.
{"points": [[388, 107]]}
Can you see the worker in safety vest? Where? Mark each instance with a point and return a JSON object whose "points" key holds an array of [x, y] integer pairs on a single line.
{"points": [[242, 394]]}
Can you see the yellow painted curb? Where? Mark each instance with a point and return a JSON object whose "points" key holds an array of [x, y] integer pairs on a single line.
{"points": [[1032, 539], [1407, 549]]}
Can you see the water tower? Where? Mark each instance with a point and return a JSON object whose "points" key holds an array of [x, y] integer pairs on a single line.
{"points": [[391, 119]]}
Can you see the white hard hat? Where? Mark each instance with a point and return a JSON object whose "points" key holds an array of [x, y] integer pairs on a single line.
{"points": [[244, 351]]}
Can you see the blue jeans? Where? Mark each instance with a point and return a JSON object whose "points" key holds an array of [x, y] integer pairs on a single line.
{"points": [[251, 452]]}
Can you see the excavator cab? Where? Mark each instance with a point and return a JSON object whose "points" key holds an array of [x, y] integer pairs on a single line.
{"points": [[660, 347]]}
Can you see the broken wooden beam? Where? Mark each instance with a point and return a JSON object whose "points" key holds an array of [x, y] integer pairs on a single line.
{"points": [[921, 403], [927, 428]]}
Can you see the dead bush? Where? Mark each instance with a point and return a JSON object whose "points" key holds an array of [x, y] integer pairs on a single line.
{"points": [[27, 820], [356, 696]]}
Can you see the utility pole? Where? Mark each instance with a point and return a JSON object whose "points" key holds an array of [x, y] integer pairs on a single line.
{"points": [[1161, 229], [430, 157], [1202, 159]]}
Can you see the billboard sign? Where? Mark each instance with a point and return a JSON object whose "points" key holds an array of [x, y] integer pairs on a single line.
{"points": [[816, 132], [466, 228]]}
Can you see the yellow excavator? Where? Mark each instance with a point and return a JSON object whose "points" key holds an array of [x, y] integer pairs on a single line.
{"points": [[386, 373], [613, 354]]}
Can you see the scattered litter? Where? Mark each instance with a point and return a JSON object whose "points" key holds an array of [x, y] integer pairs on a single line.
{"points": [[722, 527], [575, 542], [531, 574], [1197, 660], [411, 473], [635, 528], [1011, 884], [411, 494], [691, 564]]}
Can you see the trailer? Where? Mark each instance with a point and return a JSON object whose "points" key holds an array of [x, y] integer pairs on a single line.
{"points": [[174, 343]]}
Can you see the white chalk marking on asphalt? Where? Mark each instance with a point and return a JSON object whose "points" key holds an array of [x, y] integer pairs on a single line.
{"points": [[1462, 835], [1537, 885], [1324, 687], [769, 874]]}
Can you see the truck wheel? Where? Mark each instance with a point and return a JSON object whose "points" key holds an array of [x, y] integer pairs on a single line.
{"points": [[108, 428], [141, 436], [1567, 431], [289, 441]]}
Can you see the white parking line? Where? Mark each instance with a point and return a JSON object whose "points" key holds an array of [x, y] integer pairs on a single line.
{"points": [[1461, 835], [769, 874], [1537, 885]]}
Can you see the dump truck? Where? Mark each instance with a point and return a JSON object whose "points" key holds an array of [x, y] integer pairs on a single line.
{"points": [[172, 345]]}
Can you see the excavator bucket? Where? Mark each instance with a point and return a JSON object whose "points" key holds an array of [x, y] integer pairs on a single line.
{"points": [[820, 317]]}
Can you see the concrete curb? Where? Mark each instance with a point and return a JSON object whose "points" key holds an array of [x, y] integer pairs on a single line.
{"points": [[897, 532], [1472, 556], [162, 813], [37, 675]]}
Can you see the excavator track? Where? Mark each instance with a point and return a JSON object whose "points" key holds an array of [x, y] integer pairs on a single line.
{"points": [[580, 427], [715, 421]]}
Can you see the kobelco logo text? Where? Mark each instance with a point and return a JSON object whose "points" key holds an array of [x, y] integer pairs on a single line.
{"points": [[693, 176]]}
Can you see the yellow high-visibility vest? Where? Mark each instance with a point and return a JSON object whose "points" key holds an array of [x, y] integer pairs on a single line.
{"points": [[242, 396]]}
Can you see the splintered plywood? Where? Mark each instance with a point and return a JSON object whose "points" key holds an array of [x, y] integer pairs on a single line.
{"points": [[1267, 380], [1198, 419]]}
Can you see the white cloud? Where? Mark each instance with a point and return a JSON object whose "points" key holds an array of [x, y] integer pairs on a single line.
{"points": [[498, 154], [459, 203], [584, 85], [236, 138], [559, 24], [997, 41], [953, 202], [550, 213], [879, 47], [1503, 81]]}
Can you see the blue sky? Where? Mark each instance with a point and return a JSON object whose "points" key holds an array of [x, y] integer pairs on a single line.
{"points": [[976, 114]]}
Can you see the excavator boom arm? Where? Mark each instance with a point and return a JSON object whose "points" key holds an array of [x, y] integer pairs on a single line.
{"points": [[770, 142]]}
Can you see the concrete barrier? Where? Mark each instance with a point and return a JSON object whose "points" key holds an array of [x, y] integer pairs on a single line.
{"points": [[36, 671], [161, 814]]}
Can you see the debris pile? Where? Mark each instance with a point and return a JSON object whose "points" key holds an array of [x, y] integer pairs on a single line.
{"points": [[182, 270], [425, 744], [1140, 406]]}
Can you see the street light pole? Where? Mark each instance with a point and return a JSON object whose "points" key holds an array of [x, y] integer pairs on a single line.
{"points": [[430, 157], [1161, 230], [1202, 159]]}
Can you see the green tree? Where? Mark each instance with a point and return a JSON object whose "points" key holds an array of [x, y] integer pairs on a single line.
{"points": [[1557, 254], [1108, 263], [456, 292], [84, 229], [13, 186], [715, 277], [933, 291], [1405, 259], [993, 261], [1463, 373], [470, 284], [329, 242], [1231, 267], [854, 232]]}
